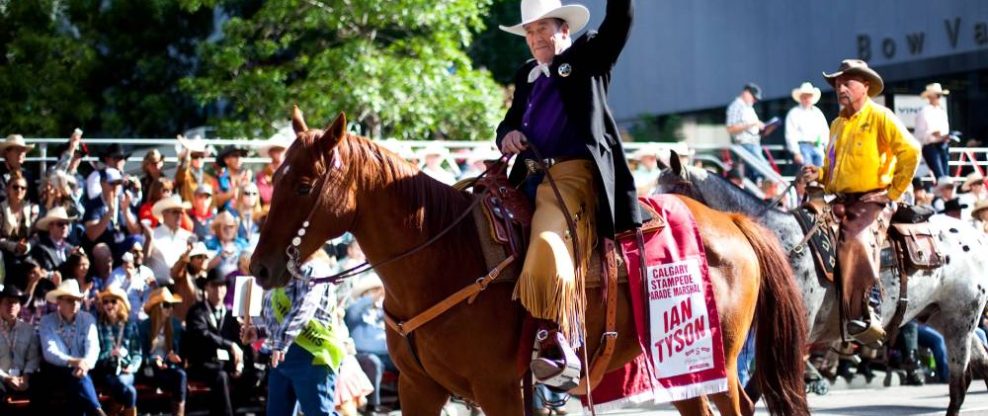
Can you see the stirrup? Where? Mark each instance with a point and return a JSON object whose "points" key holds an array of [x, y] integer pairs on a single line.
{"points": [[556, 364], [868, 334]]}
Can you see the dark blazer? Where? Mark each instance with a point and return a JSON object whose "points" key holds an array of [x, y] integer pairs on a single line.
{"points": [[44, 251], [584, 93], [201, 338]]}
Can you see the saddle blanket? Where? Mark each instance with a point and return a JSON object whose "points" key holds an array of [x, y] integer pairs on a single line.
{"points": [[675, 316]]}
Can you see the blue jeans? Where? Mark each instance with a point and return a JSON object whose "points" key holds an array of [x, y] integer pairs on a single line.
{"points": [[937, 157], [121, 388], [81, 394], [746, 357], [543, 392], [297, 379], [980, 333], [755, 150], [173, 380], [930, 338], [811, 154], [374, 365]]}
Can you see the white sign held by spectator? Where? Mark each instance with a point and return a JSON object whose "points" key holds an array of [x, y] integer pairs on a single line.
{"points": [[247, 297]]}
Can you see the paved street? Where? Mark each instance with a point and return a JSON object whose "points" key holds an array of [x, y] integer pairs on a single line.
{"points": [[857, 399]]}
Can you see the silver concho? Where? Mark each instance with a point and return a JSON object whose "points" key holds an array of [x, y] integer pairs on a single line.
{"points": [[565, 70]]}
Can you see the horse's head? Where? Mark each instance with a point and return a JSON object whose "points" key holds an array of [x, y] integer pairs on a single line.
{"points": [[678, 179], [315, 184]]}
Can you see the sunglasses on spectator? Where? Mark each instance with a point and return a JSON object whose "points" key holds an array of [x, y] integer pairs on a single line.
{"points": [[110, 302], [249, 193], [60, 224], [19, 187], [167, 305], [171, 212]]}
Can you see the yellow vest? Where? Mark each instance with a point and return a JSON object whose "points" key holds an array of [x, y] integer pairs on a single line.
{"points": [[319, 340], [868, 151]]}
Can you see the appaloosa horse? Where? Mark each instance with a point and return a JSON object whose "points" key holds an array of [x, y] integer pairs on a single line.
{"points": [[337, 182], [949, 299]]}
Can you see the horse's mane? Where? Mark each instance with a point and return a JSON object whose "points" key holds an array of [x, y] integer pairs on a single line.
{"points": [[373, 166], [747, 201]]}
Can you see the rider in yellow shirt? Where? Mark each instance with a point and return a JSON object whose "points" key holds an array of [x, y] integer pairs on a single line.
{"points": [[870, 162]]}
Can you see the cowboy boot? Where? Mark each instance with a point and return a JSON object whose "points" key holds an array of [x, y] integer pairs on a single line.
{"points": [[557, 364], [868, 330]]}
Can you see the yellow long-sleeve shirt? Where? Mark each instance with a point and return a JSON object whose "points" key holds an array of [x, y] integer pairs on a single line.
{"points": [[868, 151]]}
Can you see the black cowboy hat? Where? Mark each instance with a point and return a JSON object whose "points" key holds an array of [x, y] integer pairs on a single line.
{"points": [[952, 205], [114, 150], [10, 291], [214, 276], [229, 151]]}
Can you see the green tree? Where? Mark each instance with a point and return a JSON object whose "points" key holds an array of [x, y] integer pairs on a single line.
{"points": [[397, 68], [496, 50]]}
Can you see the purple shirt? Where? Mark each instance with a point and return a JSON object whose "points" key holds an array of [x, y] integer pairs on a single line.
{"points": [[545, 122]]}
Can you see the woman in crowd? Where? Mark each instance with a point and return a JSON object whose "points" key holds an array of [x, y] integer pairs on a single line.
{"points": [[151, 169], [274, 149], [161, 336], [202, 212], [160, 188], [225, 244], [230, 176], [250, 214], [76, 267], [18, 216], [38, 285], [119, 351]]}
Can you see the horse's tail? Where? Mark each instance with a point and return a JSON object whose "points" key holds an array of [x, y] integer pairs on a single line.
{"points": [[780, 321]]}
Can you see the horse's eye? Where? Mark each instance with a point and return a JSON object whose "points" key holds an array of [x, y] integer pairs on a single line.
{"points": [[304, 189]]}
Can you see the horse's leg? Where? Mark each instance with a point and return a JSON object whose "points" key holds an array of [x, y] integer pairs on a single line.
{"points": [[501, 399], [957, 332], [693, 407], [421, 396]]}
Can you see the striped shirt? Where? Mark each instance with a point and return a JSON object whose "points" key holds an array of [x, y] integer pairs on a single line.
{"points": [[308, 302], [740, 112]]}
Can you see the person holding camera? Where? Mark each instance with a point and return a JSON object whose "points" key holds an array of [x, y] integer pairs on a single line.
{"points": [[108, 220]]}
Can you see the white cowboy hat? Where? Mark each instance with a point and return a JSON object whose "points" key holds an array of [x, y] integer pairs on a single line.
{"points": [[648, 149], [54, 214], [433, 149], [199, 249], [196, 145], [68, 287], [934, 88], [368, 282], [806, 88], [972, 178], [575, 15], [15, 140], [274, 143], [171, 202]]}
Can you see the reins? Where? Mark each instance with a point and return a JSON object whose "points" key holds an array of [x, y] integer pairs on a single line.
{"points": [[293, 254]]}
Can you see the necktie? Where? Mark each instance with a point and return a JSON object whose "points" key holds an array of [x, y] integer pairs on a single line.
{"points": [[540, 69]]}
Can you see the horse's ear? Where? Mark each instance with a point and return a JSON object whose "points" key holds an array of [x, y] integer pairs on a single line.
{"points": [[298, 122], [662, 160], [334, 133], [675, 163]]}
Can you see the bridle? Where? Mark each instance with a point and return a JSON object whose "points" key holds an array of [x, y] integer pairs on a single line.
{"points": [[293, 251]]}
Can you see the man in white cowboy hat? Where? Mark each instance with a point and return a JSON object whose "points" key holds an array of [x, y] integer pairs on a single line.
{"points": [[168, 240], [433, 156], [560, 107], [870, 162], [70, 347], [274, 149], [972, 191], [14, 151], [647, 171], [51, 249], [806, 127], [191, 171], [933, 130]]}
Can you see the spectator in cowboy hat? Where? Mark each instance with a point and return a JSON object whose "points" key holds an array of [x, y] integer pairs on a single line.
{"points": [[229, 177], [120, 354], [161, 340], [169, 240], [17, 217], [979, 215], [648, 170], [584, 144], [807, 130], [953, 208], [945, 190], [202, 212], [19, 351], [51, 247], [434, 155], [191, 172], [974, 185], [70, 347], [274, 149], [189, 268], [113, 156], [109, 219], [933, 130], [14, 150]]}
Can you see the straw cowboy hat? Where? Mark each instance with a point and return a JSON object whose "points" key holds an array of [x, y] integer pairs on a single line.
{"points": [[16, 141], [114, 291], [68, 287], [972, 178], [159, 296], [857, 66], [172, 202], [196, 145], [978, 207], [806, 88], [934, 88], [54, 214], [575, 15], [371, 281]]}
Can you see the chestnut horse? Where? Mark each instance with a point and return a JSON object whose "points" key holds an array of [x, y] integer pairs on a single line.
{"points": [[352, 184]]}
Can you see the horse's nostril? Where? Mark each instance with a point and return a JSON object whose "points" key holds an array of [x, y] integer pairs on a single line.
{"points": [[261, 272]]}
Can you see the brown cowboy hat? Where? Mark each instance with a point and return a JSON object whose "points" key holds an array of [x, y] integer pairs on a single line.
{"points": [[859, 67], [115, 292], [158, 296], [972, 178], [978, 207]]}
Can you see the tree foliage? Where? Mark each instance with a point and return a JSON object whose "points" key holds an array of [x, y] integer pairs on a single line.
{"points": [[496, 50], [398, 68]]}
